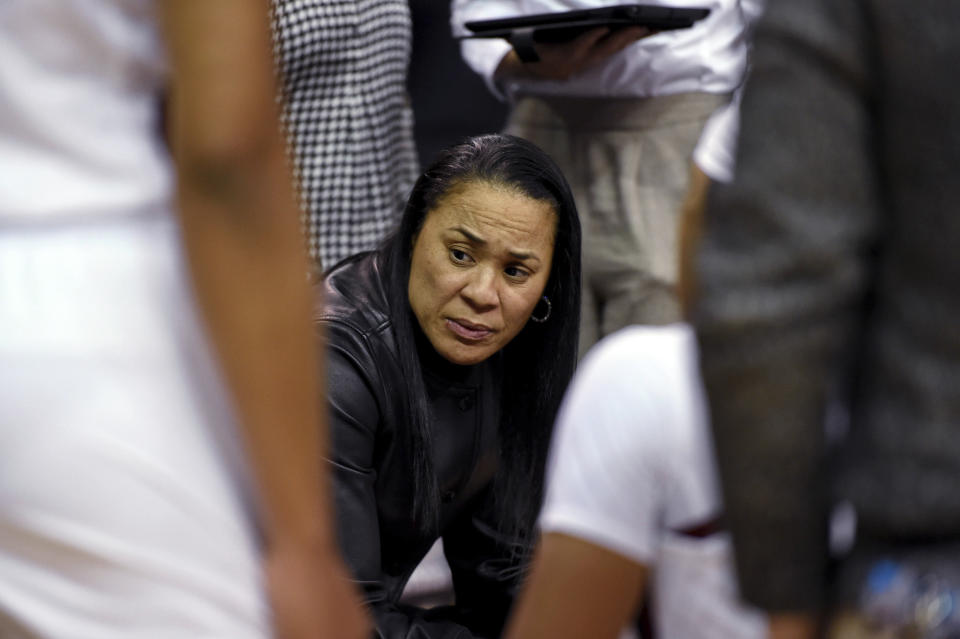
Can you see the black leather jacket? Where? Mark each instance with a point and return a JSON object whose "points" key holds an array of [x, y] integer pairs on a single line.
{"points": [[379, 536]]}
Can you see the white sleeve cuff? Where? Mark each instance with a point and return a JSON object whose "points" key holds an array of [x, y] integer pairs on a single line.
{"points": [[483, 55]]}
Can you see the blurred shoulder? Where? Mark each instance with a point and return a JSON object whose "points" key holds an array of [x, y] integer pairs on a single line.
{"points": [[641, 353], [353, 293]]}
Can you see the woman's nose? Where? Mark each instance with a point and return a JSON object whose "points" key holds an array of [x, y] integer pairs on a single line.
{"points": [[481, 289]]}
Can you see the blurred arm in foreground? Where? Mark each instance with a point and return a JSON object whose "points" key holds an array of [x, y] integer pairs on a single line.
{"points": [[241, 232]]}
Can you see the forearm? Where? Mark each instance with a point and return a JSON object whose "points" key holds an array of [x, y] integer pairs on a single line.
{"points": [[241, 234], [783, 270], [792, 626], [577, 589], [250, 277], [691, 221]]}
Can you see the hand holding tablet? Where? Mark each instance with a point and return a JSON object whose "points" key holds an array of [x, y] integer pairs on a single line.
{"points": [[523, 32], [560, 61]]}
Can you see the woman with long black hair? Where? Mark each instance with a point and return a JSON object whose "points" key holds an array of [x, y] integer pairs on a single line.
{"points": [[449, 350]]}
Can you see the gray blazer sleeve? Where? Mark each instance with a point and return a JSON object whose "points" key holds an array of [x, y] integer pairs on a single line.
{"points": [[782, 274]]}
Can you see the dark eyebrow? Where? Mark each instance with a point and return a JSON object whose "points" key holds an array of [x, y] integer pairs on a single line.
{"points": [[481, 242], [470, 236], [524, 256]]}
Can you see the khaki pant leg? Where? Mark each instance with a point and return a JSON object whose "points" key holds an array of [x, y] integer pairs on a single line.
{"points": [[534, 120], [628, 163], [633, 245]]}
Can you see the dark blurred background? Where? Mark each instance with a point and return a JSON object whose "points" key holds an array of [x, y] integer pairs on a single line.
{"points": [[450, 101]]}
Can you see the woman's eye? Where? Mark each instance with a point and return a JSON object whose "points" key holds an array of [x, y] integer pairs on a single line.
{"points": [[459, 256], [516, 272]]}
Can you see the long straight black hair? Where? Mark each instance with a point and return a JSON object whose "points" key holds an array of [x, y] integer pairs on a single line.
{"points": [[538, 362]]}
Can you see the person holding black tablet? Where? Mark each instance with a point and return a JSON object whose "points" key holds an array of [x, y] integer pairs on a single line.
{"points": [[621, 111]]}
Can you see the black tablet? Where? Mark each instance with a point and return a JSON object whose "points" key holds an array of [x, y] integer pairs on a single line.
{"points": [[566, 25]]}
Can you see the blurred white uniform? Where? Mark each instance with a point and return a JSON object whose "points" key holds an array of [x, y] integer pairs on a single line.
{"points": [[631, 467], [121, 513]]}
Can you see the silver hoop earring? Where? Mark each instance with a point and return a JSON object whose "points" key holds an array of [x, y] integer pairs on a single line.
{"points": [[546, 316]]}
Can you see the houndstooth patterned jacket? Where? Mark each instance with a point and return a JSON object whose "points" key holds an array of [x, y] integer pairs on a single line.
{"points": [[348, 117]]}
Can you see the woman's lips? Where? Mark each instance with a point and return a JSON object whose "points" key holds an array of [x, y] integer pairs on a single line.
{"points": [[468, 331]]}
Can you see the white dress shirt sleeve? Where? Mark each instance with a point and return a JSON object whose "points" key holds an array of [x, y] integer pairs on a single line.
{"points": [[483, 55], [715, 153], [716, 150], [708, 57]]}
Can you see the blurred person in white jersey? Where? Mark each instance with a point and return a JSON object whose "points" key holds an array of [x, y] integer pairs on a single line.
{"points": [[127, 505], [632, 508]]}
